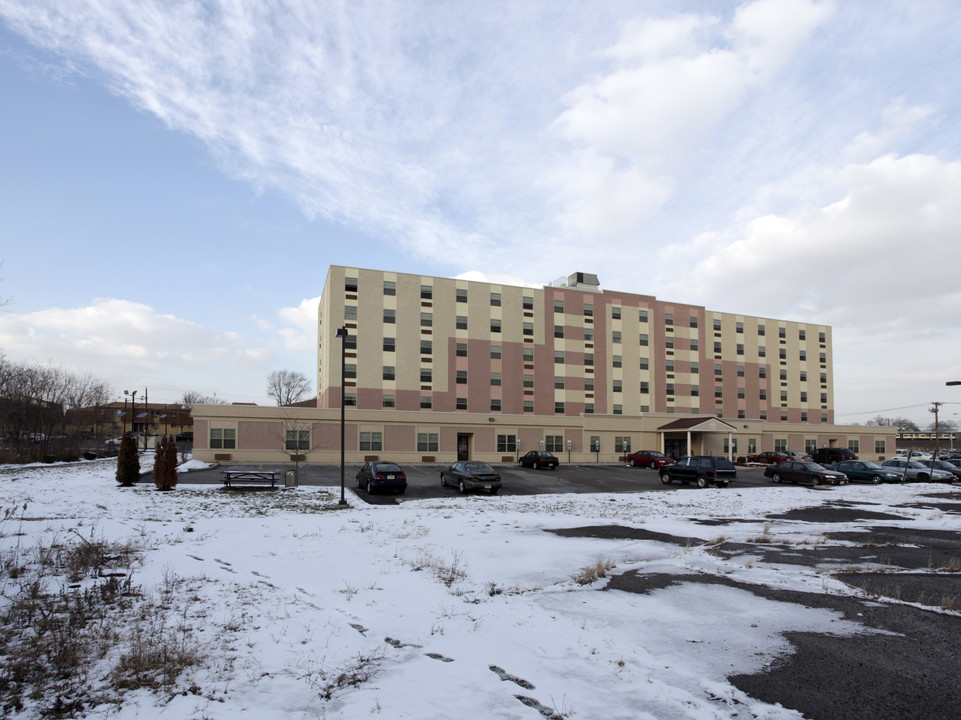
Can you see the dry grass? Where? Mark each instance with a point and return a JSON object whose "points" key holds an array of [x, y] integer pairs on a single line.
{"points": [[592, 572]]}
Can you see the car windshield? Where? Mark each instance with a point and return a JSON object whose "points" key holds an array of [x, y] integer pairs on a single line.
{"points": [[652, 454], [915, 465], [387, 467], [478, 467], [544, 453], [872, 466], [811, 466]]}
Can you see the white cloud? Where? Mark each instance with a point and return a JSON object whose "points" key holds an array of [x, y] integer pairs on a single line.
{"points": [[303, 319]]}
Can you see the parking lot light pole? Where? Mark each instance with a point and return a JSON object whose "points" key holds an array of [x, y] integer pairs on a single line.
{"points": [[342, 334]]}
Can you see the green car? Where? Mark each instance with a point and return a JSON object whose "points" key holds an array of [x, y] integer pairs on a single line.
{"points": [[862, 471]]}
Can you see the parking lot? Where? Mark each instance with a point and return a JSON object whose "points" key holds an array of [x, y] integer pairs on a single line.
{"points": [[423, 481]]}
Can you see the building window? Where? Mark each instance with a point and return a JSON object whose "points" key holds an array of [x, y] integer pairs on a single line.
{"points": [[762, 394], [425, 402], [495, 299], [717, 325], [528, 381], [559, 382], [371, 441], [693, 343], [588, 335], [780, 444], [495, 325], [558, 357], [297, 440], [824, 378], [718, 391], [388, 372], [782, 332], [761, 351], [643, 339], [461, 295], [460, 349], [390, 287], [588, 408], [588, 310], [739, 328], [762, 372], [669, 366], [350, 312], [784, 396], [740, 393], [854, 446], [618, 385], [350, 399], [558, 306], [739, 349], [350, 370], [804, 397], [558, 408], [695, 391], [506, 443], [589, 384], [554, 443], [389, 344], [495, 352], [717, 348], [617, 409], [425, 375], [623, 444], [615, 312], [528, 355], [693, 321], [824, 417], [782, 353], [669, 389], [668, 318], [495, 379], [426, 347], [495, 405], [804, 376], [528, 303], [784, 416], [461, 377], [801, 335], [350, 284], [528, 406], [528, 328], [388, 401], [718, 368], [390, 316], [803, 355], [879, 447], [824, 397], [427, 442], [461, 322], [616, 361], [642, 315], [645, 363], [616, 337], [694, 368], [426, 319], [740, 416], [426, 292], [669, 342], [822, 337], [223, 439], [760, 330], [783, 374], [558, 331], [740, 371], [461, 404], [822, 358], [804, 417]]}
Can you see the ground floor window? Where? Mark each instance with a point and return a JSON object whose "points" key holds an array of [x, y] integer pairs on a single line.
{"points": [[623, 444], [506, 443], [854, 446], [780, 445], [427, 442], [297, 439], [371, 441], [554, 443], [810, 446], [879, 447], [223, 439]]}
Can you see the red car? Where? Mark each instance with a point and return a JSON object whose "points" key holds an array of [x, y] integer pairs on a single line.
{"points": [[649, 459], [770, 457]]}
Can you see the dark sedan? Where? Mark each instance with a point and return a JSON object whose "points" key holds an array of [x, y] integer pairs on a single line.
{"points": [[649, 459], [769, 457], [703, 469], [806, 472], [376, 476], [943, 465], [471, 476], [864, 471], [538, 459]]}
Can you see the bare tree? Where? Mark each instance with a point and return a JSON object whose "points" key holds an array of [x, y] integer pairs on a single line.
{"points": [[192, 397], [286, 387], [902, 424]]}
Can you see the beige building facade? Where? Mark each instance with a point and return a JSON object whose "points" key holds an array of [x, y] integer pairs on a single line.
{"points": [[439, 369]]}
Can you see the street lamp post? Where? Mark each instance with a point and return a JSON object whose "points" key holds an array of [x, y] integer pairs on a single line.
{"points": [[342, 334], [133, 408]]}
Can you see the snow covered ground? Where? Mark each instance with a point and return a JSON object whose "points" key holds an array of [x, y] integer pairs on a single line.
{"points": [[461, 607]]}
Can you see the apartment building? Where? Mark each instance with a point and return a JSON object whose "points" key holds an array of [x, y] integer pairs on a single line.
{"points": [[436, 369]]}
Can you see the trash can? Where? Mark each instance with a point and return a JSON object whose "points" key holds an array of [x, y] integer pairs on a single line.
{"points": [[290, 479]]}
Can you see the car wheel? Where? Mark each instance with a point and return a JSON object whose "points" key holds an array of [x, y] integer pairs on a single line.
{"points": [[776, 477], [876, 479], [923, 478], [461, 486], [815, 481], [443, 480], [370, 488], [360, 484], [652, 465], [665, 478], [702, 482], [494, 491], [632, 463]]}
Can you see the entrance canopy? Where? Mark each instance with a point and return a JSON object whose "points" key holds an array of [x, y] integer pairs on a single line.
{"points": [[697, 431]]}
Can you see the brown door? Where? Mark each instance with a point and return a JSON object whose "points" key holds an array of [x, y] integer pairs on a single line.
{"points": [[463, 446]]}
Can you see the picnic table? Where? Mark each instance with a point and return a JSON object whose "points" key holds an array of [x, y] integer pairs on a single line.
{"points": [[249, 476]]}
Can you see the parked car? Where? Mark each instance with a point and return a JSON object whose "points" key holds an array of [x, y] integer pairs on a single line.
{"points": [[185, 437], [377, 476], [907, 454], [769, 457], [649, 459], [113, 442], [471, 476], [912, 470], [830, 455], [864, 471], [805, 472], [538, 459], [943, 465], [703, 469]]}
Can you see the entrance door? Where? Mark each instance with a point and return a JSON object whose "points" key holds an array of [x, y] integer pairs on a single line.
{"points": [[675, 447], [463, 446]]}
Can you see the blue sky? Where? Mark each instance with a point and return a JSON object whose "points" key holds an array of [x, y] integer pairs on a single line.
{"points": [[175, 178]]}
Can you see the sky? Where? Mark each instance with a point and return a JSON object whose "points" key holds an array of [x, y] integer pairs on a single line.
{"points": [[430, 605], [176, 178]]}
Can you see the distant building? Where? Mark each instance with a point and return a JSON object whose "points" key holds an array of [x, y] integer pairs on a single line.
{"points": [[437, 369]]}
